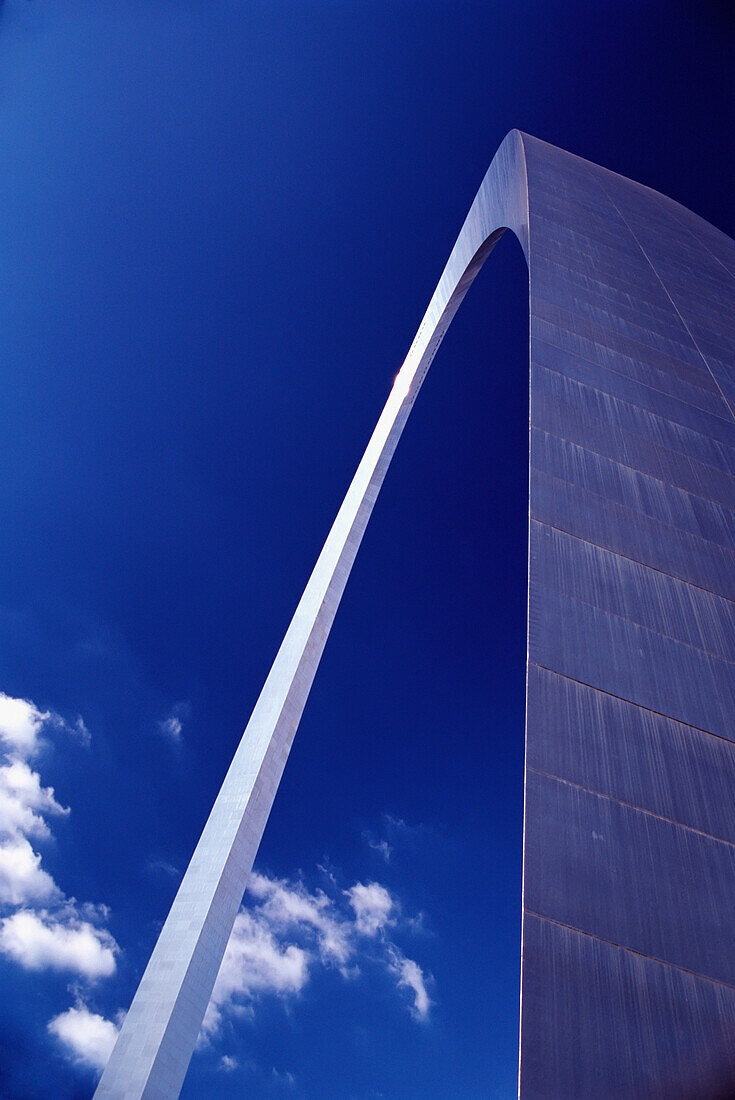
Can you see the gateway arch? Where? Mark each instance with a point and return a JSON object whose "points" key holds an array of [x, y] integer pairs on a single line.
{"points": [[628, 949]]}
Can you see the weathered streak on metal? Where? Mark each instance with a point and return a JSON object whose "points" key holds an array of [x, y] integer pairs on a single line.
{"points": [[628, 959]]}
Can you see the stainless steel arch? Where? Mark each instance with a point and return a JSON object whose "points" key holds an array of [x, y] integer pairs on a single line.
{"points": [[628, 960]]}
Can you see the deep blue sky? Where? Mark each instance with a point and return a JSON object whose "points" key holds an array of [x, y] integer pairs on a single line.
{"points": [[222, 222]]}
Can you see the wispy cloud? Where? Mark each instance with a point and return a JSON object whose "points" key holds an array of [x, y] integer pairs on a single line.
{"points": [[81, 730], [382, 847], [22, 724], [286, 932], [286, 906], [411, 976], [396, 836], [86, 1037], [283, 1078], [163, 867], [171, 727], [255, 963], [400, 831]]}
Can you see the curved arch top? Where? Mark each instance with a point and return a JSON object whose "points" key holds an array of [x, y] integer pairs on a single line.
{"points": [[628, 957]]}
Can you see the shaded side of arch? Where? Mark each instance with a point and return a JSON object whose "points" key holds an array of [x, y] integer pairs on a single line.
{"points": [[628, 973]]}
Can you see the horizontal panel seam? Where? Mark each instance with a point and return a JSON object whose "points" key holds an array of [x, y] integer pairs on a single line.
{"points": [[592, 311], [635, 561], [701, 241], [630, 702], [632, 806], [577, 263], [641, 350], [632, 405], [631, 950], [627, 508], [572, 277], [658, 450], [730, 662], [658, 275], [638, 362], [635, 470]]}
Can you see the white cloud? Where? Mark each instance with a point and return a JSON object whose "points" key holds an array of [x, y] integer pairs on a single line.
{"points": [[286, 906], [81, 731], [163, 867], [40, 928], [372, 905], [41, 941], [228, 1064], [286, 931], [255, 963], [171, 726], [21, 723], [23, 800], [411, 976], [398, 837], [286, 1078], [87, 1037], [22, 879]]}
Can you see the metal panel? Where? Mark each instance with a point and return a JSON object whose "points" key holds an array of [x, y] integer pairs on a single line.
{"points": [[666, 396], [636, 756], [597, 409], [625, 588], [681, 912], [603, 1023], [604, 346], [623, 659], [679, 464], [573, 508], [623, 484]]}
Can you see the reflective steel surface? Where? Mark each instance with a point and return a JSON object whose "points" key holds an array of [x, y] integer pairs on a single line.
{"points": [[628, 975], [628, 957]]}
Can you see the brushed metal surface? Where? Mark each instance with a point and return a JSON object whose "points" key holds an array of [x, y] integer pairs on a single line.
{"points": [[684, 881], [572, 507], [638, 593], [623, 484], [628, 955], [622, 658], [643, 759], [604, 1023]]}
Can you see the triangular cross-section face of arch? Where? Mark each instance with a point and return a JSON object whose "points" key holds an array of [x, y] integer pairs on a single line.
{"points": [[628, 955]]}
